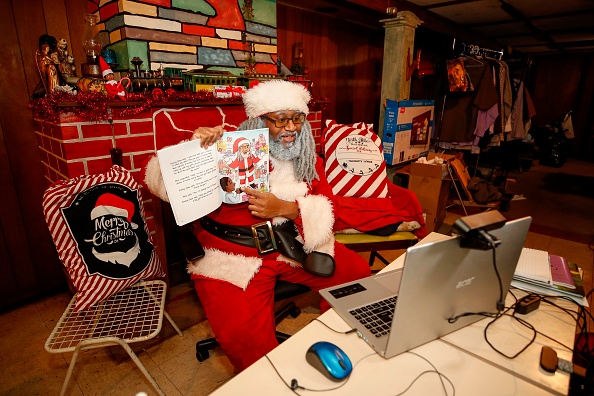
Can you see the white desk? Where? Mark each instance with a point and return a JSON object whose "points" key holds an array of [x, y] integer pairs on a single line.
{"points": [[463, 357]]}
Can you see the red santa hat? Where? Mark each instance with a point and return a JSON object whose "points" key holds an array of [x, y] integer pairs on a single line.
{"points": [[109, 204], [239, 142], [105, 69], [275, 95]]}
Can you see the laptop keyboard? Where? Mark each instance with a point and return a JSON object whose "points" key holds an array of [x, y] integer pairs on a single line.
{"points": [[376, 317]]}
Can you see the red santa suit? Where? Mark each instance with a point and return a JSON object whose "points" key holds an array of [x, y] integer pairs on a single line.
{"points": [[235, 284]]}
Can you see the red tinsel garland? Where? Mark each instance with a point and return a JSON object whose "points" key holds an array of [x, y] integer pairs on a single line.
{"points": [[96, 106]]}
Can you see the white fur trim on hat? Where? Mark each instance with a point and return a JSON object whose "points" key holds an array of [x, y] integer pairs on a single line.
{"points": [[233, 268], [275, 95]]}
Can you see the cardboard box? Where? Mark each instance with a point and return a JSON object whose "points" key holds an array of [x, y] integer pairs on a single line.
{"points": [[432, 193], [438, 171], [408, 128]]}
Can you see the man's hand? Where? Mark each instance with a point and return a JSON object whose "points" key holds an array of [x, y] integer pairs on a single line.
{"points": [[207, 136], [267, 205]]}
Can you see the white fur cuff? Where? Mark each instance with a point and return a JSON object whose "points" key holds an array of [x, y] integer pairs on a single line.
{"points": [[318, 220], [236, 269]]}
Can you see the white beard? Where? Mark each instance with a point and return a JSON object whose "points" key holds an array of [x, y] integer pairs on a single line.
{"points": [[124, 258], [278, 151]]}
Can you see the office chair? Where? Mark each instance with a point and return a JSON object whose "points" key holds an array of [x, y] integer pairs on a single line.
{"points": [[282, 291], [192, 250]]}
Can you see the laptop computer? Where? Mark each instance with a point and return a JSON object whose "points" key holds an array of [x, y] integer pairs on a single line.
{"points": [[439, 280]]}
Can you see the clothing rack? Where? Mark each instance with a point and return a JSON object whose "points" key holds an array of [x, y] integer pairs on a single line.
{"points": [[463, 49], [475, 50]]}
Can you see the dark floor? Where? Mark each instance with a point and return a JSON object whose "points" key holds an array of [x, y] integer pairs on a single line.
{"points": [[559, 200]]}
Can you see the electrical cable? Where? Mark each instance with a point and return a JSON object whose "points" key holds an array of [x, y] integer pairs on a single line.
{"points": [[528, 325], [295, 385], [435, 370], [500, 303], [334, 330]]}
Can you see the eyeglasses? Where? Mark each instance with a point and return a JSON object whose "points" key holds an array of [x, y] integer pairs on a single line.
{"points": [[297, 118]]}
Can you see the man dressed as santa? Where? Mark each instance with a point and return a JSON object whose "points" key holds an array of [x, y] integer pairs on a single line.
{"points": [[235, 280]]}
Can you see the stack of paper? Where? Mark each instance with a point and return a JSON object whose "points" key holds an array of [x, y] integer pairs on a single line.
{"points": [[541, 273], [534, 266]]}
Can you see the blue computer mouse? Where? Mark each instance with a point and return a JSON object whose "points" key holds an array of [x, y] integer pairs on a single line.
{"points": [[330, 360]]}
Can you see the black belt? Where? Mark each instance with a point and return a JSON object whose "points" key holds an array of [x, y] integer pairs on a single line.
{"points": [[267, 239]]}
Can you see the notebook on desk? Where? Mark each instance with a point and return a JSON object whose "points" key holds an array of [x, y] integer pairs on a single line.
{"points": [[402, 309]]}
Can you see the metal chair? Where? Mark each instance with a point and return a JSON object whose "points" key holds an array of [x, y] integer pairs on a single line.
{"points": [[132, 315]]}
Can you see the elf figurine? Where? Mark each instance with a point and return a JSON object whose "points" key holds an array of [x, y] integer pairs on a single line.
{"points": [[113, 87]]}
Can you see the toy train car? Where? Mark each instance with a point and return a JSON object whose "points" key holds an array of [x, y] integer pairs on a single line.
{"points": [[197, 80]]}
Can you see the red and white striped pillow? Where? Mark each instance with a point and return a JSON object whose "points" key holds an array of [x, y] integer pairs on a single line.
{"points": [[355, 164], [98, 225]]}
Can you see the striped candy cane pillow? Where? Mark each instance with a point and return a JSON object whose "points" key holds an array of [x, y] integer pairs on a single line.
{"points": [[355, 164], [98, 226]]}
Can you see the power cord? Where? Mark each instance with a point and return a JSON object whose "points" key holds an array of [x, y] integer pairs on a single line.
{"points": [[334, 330], [500, 305], [528, 325], [294, 384], [436, 371]]}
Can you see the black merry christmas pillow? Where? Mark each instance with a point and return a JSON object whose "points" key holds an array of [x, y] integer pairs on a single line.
{"points": [[97, 223]]}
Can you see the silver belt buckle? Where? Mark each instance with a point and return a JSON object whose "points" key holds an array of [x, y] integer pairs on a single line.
{"points": [[255, 232]]}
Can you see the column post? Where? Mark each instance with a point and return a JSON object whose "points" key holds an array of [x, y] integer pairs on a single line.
{"points": [[399, 42]]}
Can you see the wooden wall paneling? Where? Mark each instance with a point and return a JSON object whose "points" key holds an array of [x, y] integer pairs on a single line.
{"points": [[583, 116], [328, 69], [14, 94], [285, 33], [560, 84], [318, 55], [378, 55], [18, 41], [330, 66], [54, 12], [346, 43], [16, 269], [362, 84], [281, 35], [554, 96], [9, 293], [75, 11], [338, 55], [29, 21]]}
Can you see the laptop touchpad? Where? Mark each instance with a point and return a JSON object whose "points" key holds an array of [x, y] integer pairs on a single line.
{"points": [[390, 280]]}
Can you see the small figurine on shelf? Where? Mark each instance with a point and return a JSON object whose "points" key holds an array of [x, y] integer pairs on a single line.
{"points": [[113, 87], [46, 64], [66, 62]]}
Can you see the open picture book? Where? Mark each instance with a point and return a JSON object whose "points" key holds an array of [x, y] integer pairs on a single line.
{"points": [[199, 180]]}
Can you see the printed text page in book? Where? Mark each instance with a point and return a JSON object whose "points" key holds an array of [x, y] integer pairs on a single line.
{"points": [[191, 180]]}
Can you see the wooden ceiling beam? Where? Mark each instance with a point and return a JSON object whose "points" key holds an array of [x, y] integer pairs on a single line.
{"points": [[430, 20]]}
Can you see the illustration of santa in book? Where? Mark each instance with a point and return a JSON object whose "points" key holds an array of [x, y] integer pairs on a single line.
{"points": [[244, 163]]}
